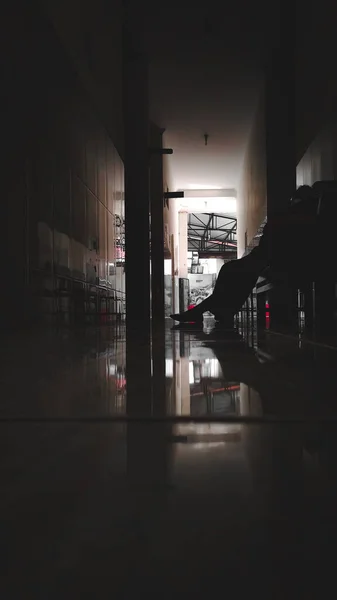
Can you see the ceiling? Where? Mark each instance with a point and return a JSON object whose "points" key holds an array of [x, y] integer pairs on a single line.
{"points": [[205, 73], [212, 234], [208, 201]]}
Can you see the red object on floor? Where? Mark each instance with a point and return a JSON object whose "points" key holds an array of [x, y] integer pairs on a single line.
{"points": [[267, 315], [191, 306]]}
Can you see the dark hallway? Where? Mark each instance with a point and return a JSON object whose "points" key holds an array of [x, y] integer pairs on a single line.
{"points": [[144, 149]]}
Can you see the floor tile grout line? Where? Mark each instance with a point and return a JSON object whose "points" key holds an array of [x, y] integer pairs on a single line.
{"points": [[179, 419]]}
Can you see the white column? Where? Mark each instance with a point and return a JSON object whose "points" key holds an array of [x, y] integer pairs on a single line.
{"points": [[183, 244], [185, 386]]}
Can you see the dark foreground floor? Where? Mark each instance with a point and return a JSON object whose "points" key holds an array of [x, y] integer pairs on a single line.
{"points": [[230, 491]]}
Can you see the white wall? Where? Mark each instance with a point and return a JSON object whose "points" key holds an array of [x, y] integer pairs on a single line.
{"points": [[167, 266], [211, 265], [252, 192], [183, 244]]}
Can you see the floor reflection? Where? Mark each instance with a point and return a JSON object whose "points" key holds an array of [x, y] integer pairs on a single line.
{"points": [[206, 435], [167, 504], [64, 374], [195, 372], [199, 369]]}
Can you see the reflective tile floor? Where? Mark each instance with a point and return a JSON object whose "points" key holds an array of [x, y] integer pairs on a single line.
{"points": [[216, 475]]}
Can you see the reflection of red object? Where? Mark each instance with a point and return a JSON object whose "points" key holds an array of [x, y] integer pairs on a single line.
{"points": [[222, 389], [267, 315], [120, 253], [120, 383]]}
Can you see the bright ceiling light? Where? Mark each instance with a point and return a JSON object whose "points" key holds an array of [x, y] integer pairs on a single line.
{"points": [[210, 193], [197, 186]]}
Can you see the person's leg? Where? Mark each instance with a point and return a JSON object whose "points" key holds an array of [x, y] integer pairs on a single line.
{"points": [[214, 302], [235, 281], [194, 314]]}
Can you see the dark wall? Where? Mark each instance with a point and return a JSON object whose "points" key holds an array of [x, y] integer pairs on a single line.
{"points": [[320, 159], [91, 33], [316, 69], [62, 180]]}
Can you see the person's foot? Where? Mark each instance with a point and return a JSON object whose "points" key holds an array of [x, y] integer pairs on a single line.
{"points": [[186, 318], [193, 315], [187, 327]]}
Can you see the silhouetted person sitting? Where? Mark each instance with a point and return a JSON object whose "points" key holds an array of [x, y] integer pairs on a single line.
{"points": [[286, 247], [235, 281], [291, 234]]}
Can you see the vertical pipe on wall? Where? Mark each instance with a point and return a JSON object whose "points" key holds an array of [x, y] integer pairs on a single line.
{"points": [[137, 251]]}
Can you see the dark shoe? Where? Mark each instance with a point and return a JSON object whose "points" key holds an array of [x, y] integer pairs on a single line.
{"points": [[187, 327], [186, 318], [195, 314]]}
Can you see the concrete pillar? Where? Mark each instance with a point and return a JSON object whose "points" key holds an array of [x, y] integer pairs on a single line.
{"points": [[280, 112], [18, 119], [157, 277], [281, 146], [136, 130], [14, 301], [181, 386], [157, 227], [183, 244], [185, 386]]}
